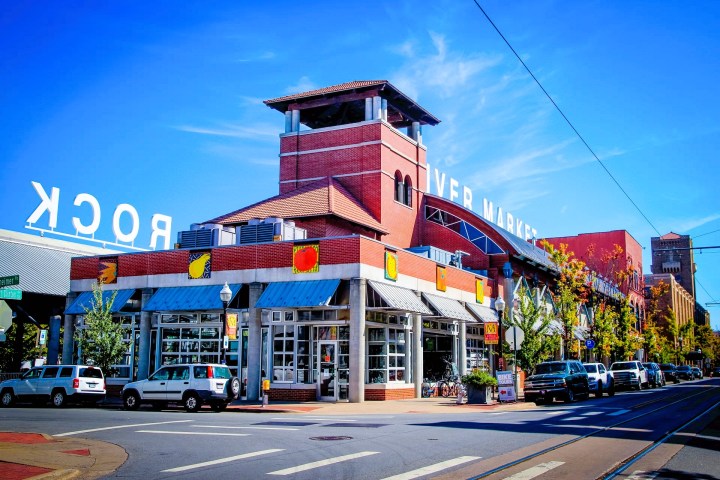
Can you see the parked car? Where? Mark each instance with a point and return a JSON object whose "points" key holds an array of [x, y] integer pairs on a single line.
{"points": [[191, 385], [60, 384], [600, 379], [684, 372], [564, 379], [656, 377], [715, 372], [697, 373], [670, 371], [629, 374]]}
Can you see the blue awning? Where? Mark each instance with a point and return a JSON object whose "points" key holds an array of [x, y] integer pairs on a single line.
{"points": [[184, 299], [86, 300], [311, 293]]}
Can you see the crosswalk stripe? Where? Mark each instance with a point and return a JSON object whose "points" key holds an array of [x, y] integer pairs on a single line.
{"points": [[535, 471], [321, 463], [223, 460], [432, 468], [589, 414], [117, 426], [640, 475], [246, 428], [173, 432], [619, 412]]}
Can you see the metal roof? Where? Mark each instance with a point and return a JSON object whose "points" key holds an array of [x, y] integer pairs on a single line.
{"points": [[42, 263], [399, 298], [310, 293], [486, 314], [447, 307], [185, 299], [86, 301]]}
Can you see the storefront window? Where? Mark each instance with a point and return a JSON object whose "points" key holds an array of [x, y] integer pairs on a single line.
{"points": [[283, 349], [303, 355], [386, 355]]}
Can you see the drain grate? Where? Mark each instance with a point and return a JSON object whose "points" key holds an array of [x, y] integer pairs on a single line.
{"points": [[331, 438]]}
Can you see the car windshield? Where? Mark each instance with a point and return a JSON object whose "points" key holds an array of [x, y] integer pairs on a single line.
{"points": [[553, 367], [591, 368], [623, 366]]}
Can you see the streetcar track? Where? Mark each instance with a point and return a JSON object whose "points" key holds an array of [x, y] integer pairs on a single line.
{"points": [[627, 461]]}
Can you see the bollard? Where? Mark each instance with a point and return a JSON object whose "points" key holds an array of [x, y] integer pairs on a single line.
{"points": [[460, 396], [266, 389]]}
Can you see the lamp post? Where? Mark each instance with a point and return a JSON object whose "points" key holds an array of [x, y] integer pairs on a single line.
{"points": [[500, 307], [680, 352], [225, 295]]}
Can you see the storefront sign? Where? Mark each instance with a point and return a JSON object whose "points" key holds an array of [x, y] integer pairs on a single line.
{"points": [[231, 325], [505, 220], [506, 386], [161, 225], [491, 333]]}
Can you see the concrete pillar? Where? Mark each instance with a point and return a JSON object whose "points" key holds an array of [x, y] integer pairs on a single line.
{"points": [[145, 346], [295, 122], [383, 109], [68, 331], [368, 109], [417, 354], [377, 108], [288, 121], [462, 362], [409, 357], [254, 342], [356, 383], [54, 340]]}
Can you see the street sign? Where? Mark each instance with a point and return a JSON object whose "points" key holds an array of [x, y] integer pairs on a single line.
{"points": [[10, 294], [514, 336], [11, 280], [43, 337], [590, 343], [5, 316]]}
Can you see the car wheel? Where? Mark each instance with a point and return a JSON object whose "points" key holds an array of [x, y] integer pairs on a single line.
{"points": [[233, 388], [611, 389], [540, 401], [192, 402], [569, 395], [599, 391], [131, 401], [58, 398], [218, 407], [7, 399]]}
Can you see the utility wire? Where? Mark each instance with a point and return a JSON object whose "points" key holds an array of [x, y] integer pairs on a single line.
{"points": [[704, 289], [706, 233], [567, 120]]}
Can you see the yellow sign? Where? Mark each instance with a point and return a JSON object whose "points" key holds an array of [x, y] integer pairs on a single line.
{"points": [[231, 325], [391, 266], [491, 333], [440, 279], [479, 293]]}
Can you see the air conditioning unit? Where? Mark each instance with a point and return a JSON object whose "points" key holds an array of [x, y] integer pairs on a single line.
{"points": [[271, 229], [206, 235]]}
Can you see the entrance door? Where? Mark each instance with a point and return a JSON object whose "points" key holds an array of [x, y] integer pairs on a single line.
{"points": [[327, 370]]}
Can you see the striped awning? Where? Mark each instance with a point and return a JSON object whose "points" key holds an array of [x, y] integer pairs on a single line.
{"points": [[86, 301], [485, 314], [399, 298], [447, 307]]}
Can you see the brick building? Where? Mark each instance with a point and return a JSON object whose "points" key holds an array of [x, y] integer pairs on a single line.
{"points": [[351, 283]]}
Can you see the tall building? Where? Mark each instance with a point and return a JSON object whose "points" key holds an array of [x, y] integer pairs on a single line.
{"points": [[672, 253]]}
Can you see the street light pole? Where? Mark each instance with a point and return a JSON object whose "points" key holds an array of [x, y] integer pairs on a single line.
{"points": [[500, 307], [225, 295]]}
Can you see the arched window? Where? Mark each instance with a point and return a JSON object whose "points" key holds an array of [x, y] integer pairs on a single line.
{"points": [[399, 188], [408, 191]]}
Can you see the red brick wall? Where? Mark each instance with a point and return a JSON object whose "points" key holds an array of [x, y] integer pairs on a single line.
{"points": [[291, 395], [390, 394]]}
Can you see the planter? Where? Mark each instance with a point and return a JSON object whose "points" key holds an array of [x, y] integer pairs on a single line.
{"points": [[479, 395]]}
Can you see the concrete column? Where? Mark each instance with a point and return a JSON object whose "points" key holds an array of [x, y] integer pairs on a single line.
{"points": [[295, 122], [462, 362], [254, 342], [288, 121], [144, 346], [383, 109], [417, 354], [368, 109], [377, 108], [68, 331], [356, 384], [409, 357], [54, 340]]}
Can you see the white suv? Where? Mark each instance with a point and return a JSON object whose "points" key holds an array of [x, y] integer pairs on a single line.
{"points": [[600, 379], [189, 384], [630, 374], [59, 383]]}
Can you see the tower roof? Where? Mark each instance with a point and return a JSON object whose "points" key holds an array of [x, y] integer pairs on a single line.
{"points": [[345, 103]]}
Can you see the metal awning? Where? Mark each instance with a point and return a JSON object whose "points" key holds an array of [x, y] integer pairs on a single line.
{"points": [[447, 307], [398, 298], [485, 314], [184, 299], [86, 300], [311, 293]]}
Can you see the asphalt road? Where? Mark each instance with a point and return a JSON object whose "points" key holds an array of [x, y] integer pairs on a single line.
{"points": [[587, 439]]}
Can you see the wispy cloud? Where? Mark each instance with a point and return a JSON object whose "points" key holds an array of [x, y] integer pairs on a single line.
{"points": [[303, 85], [265, 132], [260, 57], [681, 225]]}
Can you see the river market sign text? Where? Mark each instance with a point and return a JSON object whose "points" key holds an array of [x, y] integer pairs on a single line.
{"points": [[161, 224], [505, 220]]}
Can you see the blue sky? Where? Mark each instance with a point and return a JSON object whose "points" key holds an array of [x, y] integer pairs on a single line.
{"points": [[159, 105]]}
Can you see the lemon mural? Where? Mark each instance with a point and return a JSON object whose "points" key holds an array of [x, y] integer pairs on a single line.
{"points": [[108, 272], [199, 266], [391, 266]]}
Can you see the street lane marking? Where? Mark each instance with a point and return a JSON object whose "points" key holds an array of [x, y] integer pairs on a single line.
{"points": [[640, 475], [619, 412], [572, 419], [329, 419], [248, 428], [554, 413], [589, 414], [175, 432], [222, 460], [321, 463], [432, 468], [117, 426], [535, 471], [498, 413]]}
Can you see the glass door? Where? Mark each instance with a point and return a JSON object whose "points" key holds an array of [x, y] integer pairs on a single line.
{"points": [[327, 370]]}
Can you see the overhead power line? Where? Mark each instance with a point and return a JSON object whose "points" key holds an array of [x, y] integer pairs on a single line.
{"points": [[567, 120]]}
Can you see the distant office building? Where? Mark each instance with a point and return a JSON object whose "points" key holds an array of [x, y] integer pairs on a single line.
{"points": [[672, 253]]}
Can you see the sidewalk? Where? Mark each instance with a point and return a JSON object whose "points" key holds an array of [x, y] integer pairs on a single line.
{"points": [[38, 456]]}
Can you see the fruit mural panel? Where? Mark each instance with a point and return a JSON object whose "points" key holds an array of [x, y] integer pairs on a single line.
{"points": [[107, 270], [306, 258], [391, 266], [199, 265], [441, 278]]}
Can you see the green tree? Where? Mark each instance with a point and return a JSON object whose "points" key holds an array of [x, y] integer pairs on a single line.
{"points": [[539, 341], [101, 342], [603, 330], [7, 348], [628, 339]]}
